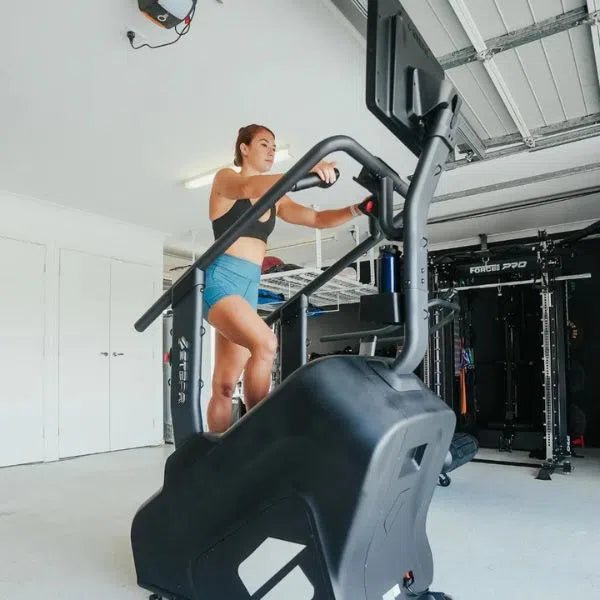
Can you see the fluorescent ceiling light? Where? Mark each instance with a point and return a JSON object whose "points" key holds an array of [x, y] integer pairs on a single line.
{"points": [[281, 155]]}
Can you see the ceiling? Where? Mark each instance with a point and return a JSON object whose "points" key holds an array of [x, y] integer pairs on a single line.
{"points": [[528, 70], [89, 123]]}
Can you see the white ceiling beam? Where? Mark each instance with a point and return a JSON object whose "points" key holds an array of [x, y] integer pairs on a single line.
{"points": [[486, 56], [594, 12], [549, 141], [514, 39], [517, 183]]}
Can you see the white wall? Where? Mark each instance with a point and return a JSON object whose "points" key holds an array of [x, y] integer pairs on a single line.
{"points": [[56, 227]]}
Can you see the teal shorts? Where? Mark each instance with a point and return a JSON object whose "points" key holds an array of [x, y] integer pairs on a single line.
{"points": [[230, 276]]}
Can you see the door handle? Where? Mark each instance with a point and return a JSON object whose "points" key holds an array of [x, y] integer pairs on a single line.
{"points": [[104, 353], [118, 354]]}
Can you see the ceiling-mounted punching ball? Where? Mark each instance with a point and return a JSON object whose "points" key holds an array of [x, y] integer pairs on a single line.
{"points": [[167, 13]]}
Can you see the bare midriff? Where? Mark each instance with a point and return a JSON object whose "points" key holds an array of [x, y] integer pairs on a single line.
{"points": [[249, 249]]}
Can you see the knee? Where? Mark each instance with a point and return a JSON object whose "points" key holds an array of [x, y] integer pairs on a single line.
{"points": [[266, 347], [223, 389]]}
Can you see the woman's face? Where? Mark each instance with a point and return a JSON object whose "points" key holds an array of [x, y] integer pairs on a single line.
{"points": [[260, 153]]}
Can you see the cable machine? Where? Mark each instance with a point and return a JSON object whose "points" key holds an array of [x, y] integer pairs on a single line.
{"points": [[516, 273]]}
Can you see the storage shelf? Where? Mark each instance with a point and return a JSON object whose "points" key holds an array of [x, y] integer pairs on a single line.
{"points": [[340, 290]]}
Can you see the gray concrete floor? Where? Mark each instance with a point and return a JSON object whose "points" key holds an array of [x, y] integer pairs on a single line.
{"points": [[496, 532]]}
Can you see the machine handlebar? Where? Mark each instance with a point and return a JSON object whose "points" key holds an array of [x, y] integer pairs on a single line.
{"points": [[313, 180], [291, 179]]}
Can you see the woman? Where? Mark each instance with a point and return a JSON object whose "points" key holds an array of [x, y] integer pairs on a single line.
{"points": [[244, 342]]}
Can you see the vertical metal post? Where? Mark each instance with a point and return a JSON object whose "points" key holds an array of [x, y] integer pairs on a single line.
{"points": [[186, 359], [292, 336], [555, 391], [318, 244], [356, 235], [427, 367], [167, 346], [415, 247], [560, 343], [546, 299], [447, 340], [437, 356], [372, 266], [510, 403]]}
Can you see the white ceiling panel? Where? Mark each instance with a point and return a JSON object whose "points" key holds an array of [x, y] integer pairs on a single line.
{"points": [[552, 80], [564, 69], [471, 116], [438, 24], [586, 67], [515, 14], [524, 91], [539, 80], [475, 86], [486, 17], [546, 9]]}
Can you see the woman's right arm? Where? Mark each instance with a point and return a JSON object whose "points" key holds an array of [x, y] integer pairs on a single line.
{"points": [[232, 185]]}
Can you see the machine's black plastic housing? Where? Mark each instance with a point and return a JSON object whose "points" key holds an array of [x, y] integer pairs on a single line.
{"points": [[337, 460], [383, 308]]}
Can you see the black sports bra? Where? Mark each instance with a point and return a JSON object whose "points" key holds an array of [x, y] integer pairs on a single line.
{"points": [[258, 229]]}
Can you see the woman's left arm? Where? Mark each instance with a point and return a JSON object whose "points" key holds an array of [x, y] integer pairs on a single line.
{"points": [[297, 214]]}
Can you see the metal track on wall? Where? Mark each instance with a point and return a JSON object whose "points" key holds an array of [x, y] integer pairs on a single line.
{"points": [[427, 367], [437, 358], [546, 297]]}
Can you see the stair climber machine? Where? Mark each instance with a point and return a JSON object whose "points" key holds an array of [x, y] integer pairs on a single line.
{"points": [[321, 492]]}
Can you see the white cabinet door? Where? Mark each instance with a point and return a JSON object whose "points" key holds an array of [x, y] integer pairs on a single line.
{"points": [[84, 354], [135, 362], [21, 352]]}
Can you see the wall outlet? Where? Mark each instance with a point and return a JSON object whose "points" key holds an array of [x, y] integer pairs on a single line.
{"points": [[140, 37]]}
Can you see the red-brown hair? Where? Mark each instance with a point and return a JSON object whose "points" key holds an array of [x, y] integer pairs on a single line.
{"points": [[245, 136]]}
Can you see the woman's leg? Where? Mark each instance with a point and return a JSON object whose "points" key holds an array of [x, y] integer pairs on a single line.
{"points": [[230, 360], [237, 321]]}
